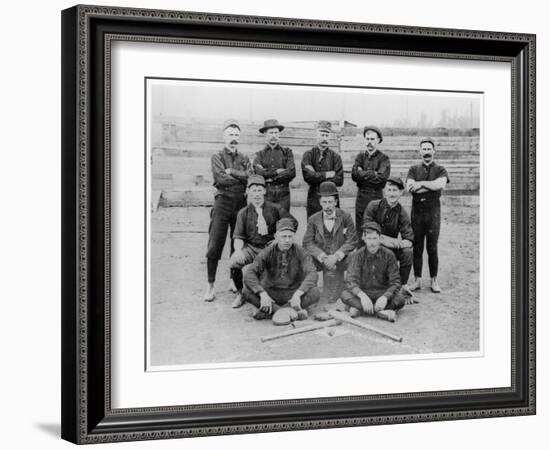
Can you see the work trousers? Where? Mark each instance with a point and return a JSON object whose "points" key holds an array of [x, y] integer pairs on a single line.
{"points": [[279, 194], [426, 223], [405, 258], [396, 303], [364, 197], [313, 204], [281, 297], [238, 260]]}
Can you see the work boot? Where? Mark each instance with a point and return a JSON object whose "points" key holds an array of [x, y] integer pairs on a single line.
{"points": [[302, 314], [415, 285], [354, 312], [387, 314], [210, 293], [232, 286], [435, 286], [238, 301]]}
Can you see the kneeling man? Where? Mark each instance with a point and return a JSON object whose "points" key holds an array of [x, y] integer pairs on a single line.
{"points": [[372, 280], [281, 274], [330, 236]]}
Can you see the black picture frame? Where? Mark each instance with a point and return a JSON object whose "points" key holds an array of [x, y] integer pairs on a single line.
{"points": [[87, 32]]}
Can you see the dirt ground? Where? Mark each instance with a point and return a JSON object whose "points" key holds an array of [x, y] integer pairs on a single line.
{"points": [[187, 330]]}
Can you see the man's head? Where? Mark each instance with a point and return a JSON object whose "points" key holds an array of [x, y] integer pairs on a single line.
{"points": [[284, 236], [324, 127], [272, 130], [231, 134], [327, 197], [372, 137], [256, 190], [371, 236], [393, 190], [427, 150]]}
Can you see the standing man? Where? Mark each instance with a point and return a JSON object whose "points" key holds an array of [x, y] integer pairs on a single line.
{"points": [[425, 181], [330, 237], [230, 170], [320, 164], [281, 273], [370, 171], [372, 281], [397, 234], [276, 164], [254, 230]]}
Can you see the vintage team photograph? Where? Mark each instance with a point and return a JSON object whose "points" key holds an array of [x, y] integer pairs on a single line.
{"points": [[293, 223]]}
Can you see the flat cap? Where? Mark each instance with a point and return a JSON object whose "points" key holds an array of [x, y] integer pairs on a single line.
{"points": [[255, 179], [286, 223], [370, 225], [375, 129], [427, 139], [324, 125], [397, 181], [231, 123]]}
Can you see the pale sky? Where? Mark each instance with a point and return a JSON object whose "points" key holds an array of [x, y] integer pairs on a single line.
{"points": [[217, 101]]}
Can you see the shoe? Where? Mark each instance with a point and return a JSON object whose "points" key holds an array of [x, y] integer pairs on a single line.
{"points": [[387, 314], [415, 285], [261, 315], [232, 286], [302, 314], [354, 312], [435, 286], [322, 316], [238, 302], [210, 293]]}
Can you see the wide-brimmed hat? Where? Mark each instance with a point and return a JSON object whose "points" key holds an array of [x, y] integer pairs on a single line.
{"points": [[375, 129], [255, 179], [324, 125], [271, 123], [286, 224], [327, 188], [397, 181], [231, 123], [369, 224]]}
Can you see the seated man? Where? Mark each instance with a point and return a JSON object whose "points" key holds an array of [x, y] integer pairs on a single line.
{"points": [[372, 279], [254, 229], [330, 236], [397, 233], [281, 273]]}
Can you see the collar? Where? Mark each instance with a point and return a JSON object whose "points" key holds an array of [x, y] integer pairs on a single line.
{"points": [[333, 216], [229, 152], [370, 155], [388, 203]]}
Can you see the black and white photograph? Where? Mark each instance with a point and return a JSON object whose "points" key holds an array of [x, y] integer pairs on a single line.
{"points": [[302, 224]]}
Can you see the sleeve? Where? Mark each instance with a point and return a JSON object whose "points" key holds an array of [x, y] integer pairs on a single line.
{"points": [[253, 272], [371, 210], [350, 237], [411, 174], [443, 173], [218, 172], [353, 274], [266, 173], [339, 169], [309, 244], [289, 172], [357, 172], [242, 175], [240, 225], [393, 275], [310, 280], [381, 175], [405, 227], [311, 177]]}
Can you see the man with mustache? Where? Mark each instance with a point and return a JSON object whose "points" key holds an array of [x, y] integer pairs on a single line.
{"points": [[281, 274], [397, 234], [321, 164], [230, 171], [425, 181], [254, 230], [330, 237], [370, 171], [276, 164]]}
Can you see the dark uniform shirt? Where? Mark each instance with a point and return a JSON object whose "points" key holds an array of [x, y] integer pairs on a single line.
{"points": [[392, 220], [374, 274], [286, 272], [246, 228], [271, 159], [371, 171], [423, 172], [322, 161], [235, 182]]}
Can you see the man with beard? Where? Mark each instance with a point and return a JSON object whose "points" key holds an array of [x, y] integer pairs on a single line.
{"points": [[230, 170], [330, 237], [372, 280], [321, 164], [254, 230], [425, 181], [276, 164], [397, 234], [281, 274], [370, 171]]}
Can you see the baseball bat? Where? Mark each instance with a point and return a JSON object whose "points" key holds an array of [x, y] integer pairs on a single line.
{"points": [[344, 318], [316, 326]]}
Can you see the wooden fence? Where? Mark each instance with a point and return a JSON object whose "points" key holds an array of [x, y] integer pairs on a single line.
{"points": [[181, 154]]}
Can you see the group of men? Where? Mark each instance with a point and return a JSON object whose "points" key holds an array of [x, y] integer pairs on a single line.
{"points": [[365, 263]]}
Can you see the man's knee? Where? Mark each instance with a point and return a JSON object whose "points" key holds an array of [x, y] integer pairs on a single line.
{"points": [[406, 256]]}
